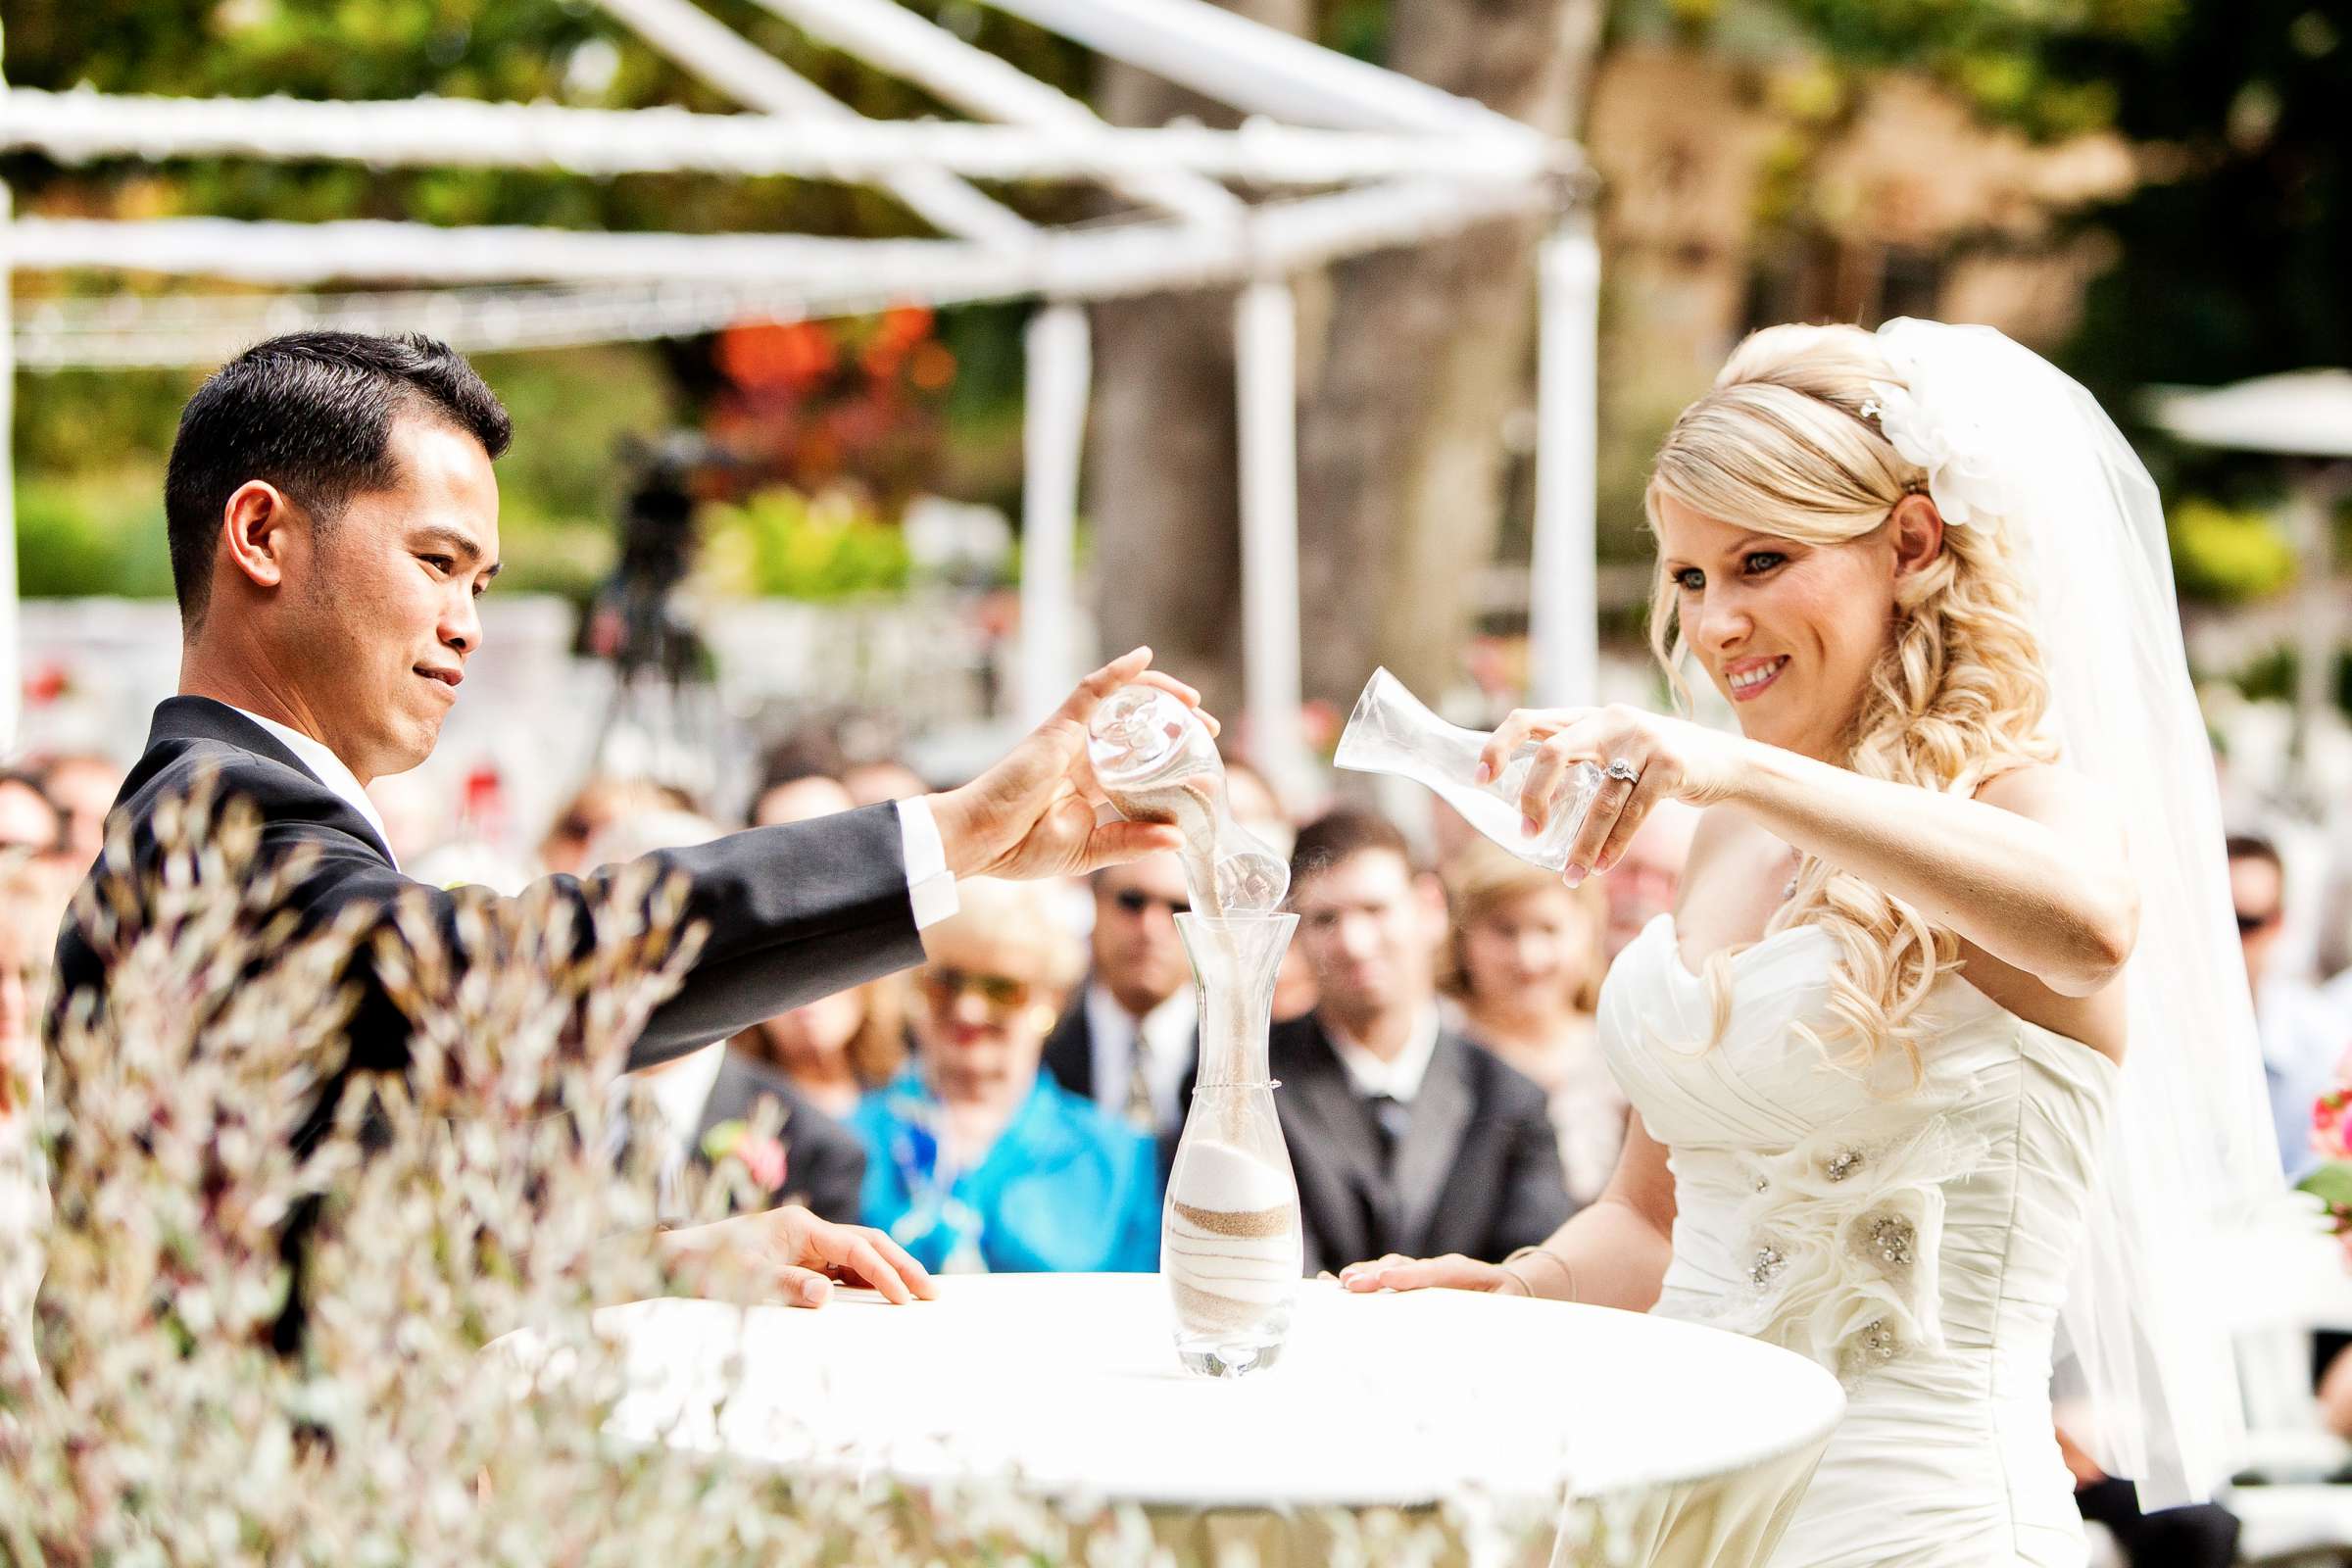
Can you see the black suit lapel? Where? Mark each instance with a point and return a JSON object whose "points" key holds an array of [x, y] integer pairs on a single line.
{"points": [[1070, 1049], [1433, 1140], [1358, 1210], [179, 718]]}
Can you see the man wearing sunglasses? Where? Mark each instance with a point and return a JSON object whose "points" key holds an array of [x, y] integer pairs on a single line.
{"points": [[2303, 1038], [1129, 1040]]}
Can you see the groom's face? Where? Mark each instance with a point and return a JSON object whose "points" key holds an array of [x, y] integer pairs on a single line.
{"points": [[382, 623]]}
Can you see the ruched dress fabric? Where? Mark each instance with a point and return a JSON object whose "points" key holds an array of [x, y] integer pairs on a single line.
{"points": [[1915, 1241]]}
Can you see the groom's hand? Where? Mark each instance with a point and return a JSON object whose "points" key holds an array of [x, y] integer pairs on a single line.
{"points": [[790, 1254], [1033, 814]]}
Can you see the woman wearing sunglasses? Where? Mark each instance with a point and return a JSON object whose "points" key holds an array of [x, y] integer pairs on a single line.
{"points": [[975, 1159]]}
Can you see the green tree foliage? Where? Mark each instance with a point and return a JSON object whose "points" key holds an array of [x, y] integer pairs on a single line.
{"points": [[2233, 259]]}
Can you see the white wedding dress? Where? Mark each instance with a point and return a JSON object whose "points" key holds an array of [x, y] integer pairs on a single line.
{"points": [[1915, 1242]]}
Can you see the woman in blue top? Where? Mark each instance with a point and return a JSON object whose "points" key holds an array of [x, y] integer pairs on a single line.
{"points": [[975, 1159]]}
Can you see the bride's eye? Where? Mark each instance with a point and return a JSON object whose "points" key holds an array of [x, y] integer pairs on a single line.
{"points": [[1690, 580], [1759, 562]]}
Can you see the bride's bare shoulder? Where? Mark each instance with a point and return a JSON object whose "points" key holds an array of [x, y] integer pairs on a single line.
{"points": [[2046, 792]]}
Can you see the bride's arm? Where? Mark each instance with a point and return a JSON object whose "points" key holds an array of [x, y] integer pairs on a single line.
{"points": [[1612, 1252], [2031, 870]]}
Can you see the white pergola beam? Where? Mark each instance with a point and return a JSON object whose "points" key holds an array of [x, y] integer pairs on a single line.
{"points": [[1059, 366], [829, 275], [1258, 69], [1562, 591], [12, 653], [895, 40], [1265, 331], [127, 330], [757, 80], [465, 132]]}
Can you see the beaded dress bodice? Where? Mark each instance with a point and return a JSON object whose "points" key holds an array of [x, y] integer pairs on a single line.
{"points": [[1914, 1239]]}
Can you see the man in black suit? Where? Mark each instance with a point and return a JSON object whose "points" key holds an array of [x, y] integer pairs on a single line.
{"points": [[1406, 1137], [1129, 1037], [333, 518]]}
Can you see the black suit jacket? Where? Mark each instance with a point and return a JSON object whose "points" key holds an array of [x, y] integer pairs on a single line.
{"points": [[1069, 1055], [1070, 1049], [824, 1162], [791, 912], [1477, 1172]]}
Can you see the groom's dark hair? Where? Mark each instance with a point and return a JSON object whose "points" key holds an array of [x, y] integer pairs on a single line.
{"points": [[311, 414]]}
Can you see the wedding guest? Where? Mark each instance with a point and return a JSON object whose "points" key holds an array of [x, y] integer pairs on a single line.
{"points": [[708, 1102], [835, 1049], [800, 781], [710, 1105], [2200, 1535], [1642, 884], [879, 782], [1522, 966], [1405, 1137], [28, 819], [801, 800], [82, 785], [598, 803], [975, 1159], [2303, 1038], [1128, 1040]]}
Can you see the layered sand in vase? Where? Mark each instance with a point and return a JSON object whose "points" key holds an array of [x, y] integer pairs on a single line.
{"points": [[1231, 1249]]}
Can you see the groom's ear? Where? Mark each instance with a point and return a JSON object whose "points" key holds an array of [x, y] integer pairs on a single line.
{"points": [[1916, 530]]}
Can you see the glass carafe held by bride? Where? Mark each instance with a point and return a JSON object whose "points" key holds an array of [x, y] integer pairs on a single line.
{"points": [[1157, 763], [1230, 1240], [1392, 731]]}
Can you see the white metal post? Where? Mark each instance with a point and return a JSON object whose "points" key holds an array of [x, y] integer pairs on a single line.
{"points": [[1563, 613], [12, 679], [1266, 394], [1053, 436]]}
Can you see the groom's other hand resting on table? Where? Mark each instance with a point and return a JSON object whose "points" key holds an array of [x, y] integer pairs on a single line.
{"points": [[793, 1256]]}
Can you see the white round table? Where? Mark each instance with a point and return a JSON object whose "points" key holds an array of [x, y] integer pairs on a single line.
{"points": [[1070, 1383]]}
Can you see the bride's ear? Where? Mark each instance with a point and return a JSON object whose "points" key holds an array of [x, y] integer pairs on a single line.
{"points": [[1916, 530]]}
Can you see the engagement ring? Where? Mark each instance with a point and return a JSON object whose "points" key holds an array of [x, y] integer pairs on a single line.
{"points": [[1623, 772]]}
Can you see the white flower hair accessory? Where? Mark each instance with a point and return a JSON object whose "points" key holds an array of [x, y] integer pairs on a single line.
{"points": [[1958, 450]]}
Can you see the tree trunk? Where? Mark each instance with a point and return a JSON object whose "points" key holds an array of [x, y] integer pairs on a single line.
{"points": [[1402, 459], [1163, 479], [1415, 358]]}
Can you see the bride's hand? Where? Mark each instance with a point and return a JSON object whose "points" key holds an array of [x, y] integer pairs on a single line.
{"points": [[1397, 1272], [1668, 758]]}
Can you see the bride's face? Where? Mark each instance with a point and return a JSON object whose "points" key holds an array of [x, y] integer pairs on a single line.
{"points": [[1788, 631]]}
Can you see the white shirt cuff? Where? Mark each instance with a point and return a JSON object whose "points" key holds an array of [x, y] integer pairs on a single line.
{"points": [[930, 885]]}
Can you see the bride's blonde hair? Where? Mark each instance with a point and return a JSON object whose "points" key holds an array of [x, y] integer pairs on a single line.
{"points": [[1783, 444]]}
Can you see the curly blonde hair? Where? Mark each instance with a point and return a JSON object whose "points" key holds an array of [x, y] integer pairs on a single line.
{"points": [[1783, 443]]}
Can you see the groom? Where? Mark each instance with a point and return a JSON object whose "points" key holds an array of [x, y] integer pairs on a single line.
{"points": [[332, 519]]}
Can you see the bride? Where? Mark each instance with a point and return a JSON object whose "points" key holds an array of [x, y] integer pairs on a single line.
{"points": [[1944, 1056]]}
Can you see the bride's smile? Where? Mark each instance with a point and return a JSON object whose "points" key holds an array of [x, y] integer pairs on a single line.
{"points": [[1790, 631]]}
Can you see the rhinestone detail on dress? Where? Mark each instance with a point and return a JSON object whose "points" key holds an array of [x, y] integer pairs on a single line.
{"points": [[1894, 1239]]}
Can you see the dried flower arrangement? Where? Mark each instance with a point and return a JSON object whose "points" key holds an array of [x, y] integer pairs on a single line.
{"points": [[161, 1419]]}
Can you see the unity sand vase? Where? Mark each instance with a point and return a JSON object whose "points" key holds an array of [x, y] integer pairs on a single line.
{"points": [[1230, 1240]]}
